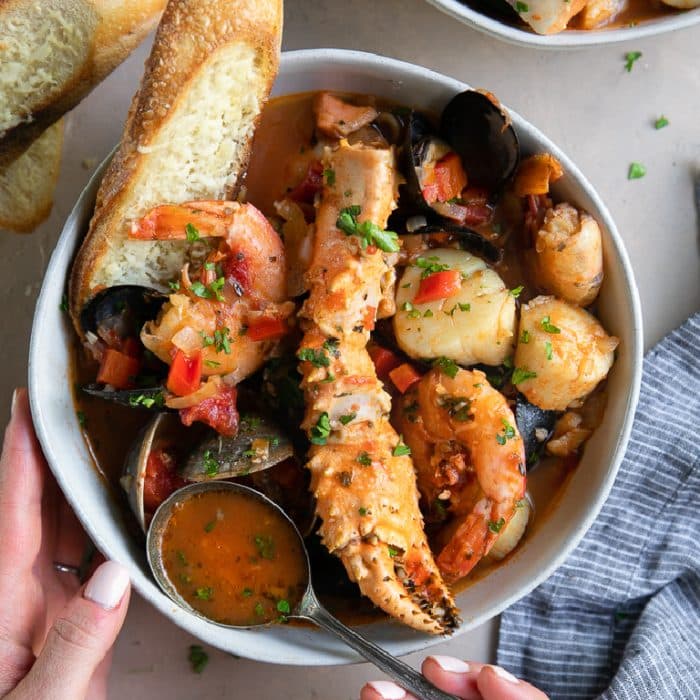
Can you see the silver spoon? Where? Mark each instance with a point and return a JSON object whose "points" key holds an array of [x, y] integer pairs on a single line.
{"points": [[308, 608]]}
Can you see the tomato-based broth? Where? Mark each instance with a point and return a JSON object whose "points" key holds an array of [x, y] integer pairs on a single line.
{"points": [[227, 556], [233, 559]]}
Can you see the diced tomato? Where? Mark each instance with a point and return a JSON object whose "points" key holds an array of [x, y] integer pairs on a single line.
{"points": [[267, 328], [446, 181], [161, 479], [439, 285], [218, 412], [185, 373], [384, 360], [312, 183], [475, 195], [237, 272], [477, 214], [118, 369], [404, 377]]}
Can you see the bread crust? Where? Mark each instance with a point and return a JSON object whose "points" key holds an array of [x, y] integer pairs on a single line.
{"points": [[190, 33], [121, 26]]}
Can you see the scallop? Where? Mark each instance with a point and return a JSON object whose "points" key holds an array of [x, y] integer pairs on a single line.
{"points": [[563, 352], [475, 325]]}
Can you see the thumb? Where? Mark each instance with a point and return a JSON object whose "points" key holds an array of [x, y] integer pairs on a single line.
{"points": [[79, 638]]}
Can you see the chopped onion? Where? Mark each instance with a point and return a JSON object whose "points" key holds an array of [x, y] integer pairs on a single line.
{"points": [[188, 340], [413, 223], [210, 388]]}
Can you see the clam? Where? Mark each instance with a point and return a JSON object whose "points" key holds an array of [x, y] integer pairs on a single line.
{"points": [[198, 453], [535, 425], [259, 445], [478, 129]]}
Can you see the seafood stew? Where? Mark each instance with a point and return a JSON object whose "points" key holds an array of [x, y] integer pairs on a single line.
{"points": [[552, 16], [418, 305]]}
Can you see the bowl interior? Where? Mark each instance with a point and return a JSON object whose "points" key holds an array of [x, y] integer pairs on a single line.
{"points": [[569, 39], [61, 439]]}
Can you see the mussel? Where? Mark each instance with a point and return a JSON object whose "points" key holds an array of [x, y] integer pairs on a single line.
{"points": [[172, 455], [476, 126], [469, 240], [150, 398], [120, 311], [535, 426]]}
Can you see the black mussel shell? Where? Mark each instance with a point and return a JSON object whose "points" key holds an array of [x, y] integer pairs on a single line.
{"points": [[532, 420], [498, 9], [469, 240], [150, 398], [122, 309], [484, 138]]}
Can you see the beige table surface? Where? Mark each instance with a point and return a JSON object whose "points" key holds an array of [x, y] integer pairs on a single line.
{"points": [[599, 114]]}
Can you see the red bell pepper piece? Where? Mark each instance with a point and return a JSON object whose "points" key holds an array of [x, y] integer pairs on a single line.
{"points": [[267, 328], [185, 373], [161, 479], [404, 377], [118, 369], [439, 285]]}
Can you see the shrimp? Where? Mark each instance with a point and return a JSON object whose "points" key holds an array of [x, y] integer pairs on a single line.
{"points": [[361, 473], [569, 255], [469, 459], [240, 286]]}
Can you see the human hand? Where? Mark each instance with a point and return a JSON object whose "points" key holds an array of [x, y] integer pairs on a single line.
{"points": [[55, 636], [467, 680]]}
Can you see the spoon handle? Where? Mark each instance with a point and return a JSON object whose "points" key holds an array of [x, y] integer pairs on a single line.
{"points": [[401, 672]]}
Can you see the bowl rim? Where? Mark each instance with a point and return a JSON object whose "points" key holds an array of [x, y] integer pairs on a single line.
{"points": [[366, 64], [569, 39]]}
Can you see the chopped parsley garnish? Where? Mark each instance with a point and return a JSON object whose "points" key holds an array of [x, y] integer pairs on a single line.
{"points": [[321, 431], [495, 526], [428, 314], [198, 658], [636, 171], [347, 418], [63, 306], [362, 510], [548, 326], [368, 232], [331, 345], [247, 592], [259, 610], [522, 7], [147, 400], [401, 448], [525, 337], [181, 557], [520, 374], [548, 350], [521, 503], [221, 340], [507, 434], [517, 291], [174, 286], [265, 546], [393, 552], [630, 58], [81, 418], [204, 593], [211, 465], [459, 408], [283, 607], [316, 356], [464, 307], [211, 363], [330, 177], [192, 233], [210, 526], [430, 265], [364, 459], [447, 366], [661, 122]]}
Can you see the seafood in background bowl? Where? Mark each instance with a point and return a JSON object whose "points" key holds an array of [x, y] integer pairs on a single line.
{"points": [[395, 348]]}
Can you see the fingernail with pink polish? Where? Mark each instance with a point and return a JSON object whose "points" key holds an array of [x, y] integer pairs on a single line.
{"points": [[107, 585], [502, 673], [451, 664], [388, 690]]}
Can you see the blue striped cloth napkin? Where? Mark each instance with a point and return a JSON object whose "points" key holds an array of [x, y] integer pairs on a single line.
{"points": [[621, 618]]}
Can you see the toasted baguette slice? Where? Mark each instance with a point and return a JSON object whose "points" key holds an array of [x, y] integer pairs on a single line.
{"points": [[187, 137], [27, 184], [54, 52]]}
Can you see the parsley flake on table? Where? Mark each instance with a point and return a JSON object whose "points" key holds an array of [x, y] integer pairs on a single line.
{"points": [[636, 171], [198, 658], [630, 58], [661, 122]]}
